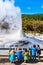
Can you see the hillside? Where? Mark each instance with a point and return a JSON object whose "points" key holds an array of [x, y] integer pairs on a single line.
{"points": [[32, 23]]}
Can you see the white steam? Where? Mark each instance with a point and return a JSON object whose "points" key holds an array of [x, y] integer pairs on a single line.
{"points": [[12, 15], [7, 6]]}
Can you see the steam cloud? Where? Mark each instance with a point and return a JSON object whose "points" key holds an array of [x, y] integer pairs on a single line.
{"points": [[7, 8], [9, 13]]}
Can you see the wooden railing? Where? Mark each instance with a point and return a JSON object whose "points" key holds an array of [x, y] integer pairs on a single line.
{"points": [[4, 52]]}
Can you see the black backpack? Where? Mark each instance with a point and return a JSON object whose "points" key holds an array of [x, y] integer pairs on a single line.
{"points": [[38, 51]]}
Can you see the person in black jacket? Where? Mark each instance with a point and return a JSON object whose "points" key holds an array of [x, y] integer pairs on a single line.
{"points": [[38, 52]]}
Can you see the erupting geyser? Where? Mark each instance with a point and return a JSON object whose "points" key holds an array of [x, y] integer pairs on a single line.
{"points": [[10, 18], [10, 21], [10, 24]]}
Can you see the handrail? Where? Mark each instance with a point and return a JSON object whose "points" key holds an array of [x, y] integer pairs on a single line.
{"points": [[12, 48], [7, 55]]}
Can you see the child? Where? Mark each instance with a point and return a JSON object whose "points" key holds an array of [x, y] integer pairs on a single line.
{"points": [[33, 49], [19, 54], [30, 52], [12, 56], [26, 55], [38, 52]]}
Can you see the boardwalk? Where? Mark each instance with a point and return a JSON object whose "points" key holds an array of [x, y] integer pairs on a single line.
{"points": [[5, 61], [39, 63]]}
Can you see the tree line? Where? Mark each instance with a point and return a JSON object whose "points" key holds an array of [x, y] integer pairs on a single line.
{"points": [[32, 23]]}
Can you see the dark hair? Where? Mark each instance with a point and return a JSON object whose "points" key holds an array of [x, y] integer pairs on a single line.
{"points": [[34, 46], [38, 46], [25, 50]]}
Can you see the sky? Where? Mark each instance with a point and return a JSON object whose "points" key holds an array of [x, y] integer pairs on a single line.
{"points": [[30, 6]]}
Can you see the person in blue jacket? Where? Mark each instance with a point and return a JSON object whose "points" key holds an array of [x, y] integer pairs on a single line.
{"points": [[19, 54], [34, 50], [12, 56]]}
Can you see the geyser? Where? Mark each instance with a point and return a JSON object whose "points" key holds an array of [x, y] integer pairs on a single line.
{"points": [[11, 25], [10, 19]]}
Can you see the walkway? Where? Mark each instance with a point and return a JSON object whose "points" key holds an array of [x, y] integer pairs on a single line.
{"points": [[39, 63], [6, 62]]}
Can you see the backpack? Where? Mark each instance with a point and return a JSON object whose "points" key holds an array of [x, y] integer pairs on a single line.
{"points": [[38, 51]]}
